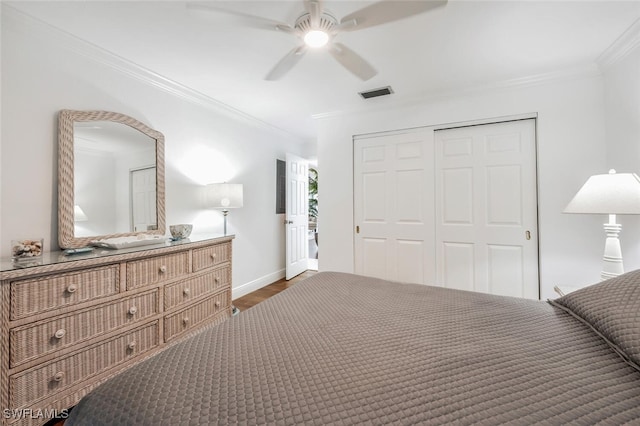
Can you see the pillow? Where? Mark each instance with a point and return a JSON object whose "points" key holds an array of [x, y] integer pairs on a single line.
{"points": [[612, 309]]}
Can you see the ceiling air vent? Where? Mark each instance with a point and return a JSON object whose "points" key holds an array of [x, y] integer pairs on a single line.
{"points": [[383, 91]]}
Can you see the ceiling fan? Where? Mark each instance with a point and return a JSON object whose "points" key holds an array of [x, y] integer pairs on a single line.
{"points": [[317, 28]]}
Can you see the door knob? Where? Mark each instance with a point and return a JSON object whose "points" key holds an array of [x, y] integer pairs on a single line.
{"points": [[288, 222]]}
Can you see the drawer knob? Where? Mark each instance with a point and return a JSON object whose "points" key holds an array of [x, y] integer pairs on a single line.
{"points": [[213, 256], [133, 310], [71, 288], [217, 280], [60, 333], [58, 376], [163, 269], [217, 304], [185, 320], [131, 345], [186, 291]]}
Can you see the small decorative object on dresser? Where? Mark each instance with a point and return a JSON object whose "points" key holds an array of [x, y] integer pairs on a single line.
{"points": [[71, 322], [27, 249], [181, 231]]}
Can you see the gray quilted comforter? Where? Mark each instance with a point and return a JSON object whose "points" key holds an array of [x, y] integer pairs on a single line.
{"points": [[342, 349]]}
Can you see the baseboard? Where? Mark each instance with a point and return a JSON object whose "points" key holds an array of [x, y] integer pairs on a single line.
{"points": [[254, 285]]}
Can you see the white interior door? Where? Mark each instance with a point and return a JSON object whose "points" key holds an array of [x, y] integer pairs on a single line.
{"points": [[143, 199], [393, 209], [296, 217], [486, 212]]}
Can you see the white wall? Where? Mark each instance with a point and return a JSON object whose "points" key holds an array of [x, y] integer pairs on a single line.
{"points": [[622, 102], [570, 133], [44, 71]]}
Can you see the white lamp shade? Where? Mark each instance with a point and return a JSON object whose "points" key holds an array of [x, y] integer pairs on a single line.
{"points": [[613, 193], [224, 195], [79, 215]]}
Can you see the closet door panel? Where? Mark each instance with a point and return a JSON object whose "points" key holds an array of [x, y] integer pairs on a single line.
{"points": [[393, 209], [486, 196]]}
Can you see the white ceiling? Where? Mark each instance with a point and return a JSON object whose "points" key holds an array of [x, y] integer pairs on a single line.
{"points": [[462, 45]]}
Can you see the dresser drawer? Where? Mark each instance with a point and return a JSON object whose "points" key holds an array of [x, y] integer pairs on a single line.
{"points": [[208, 257], [44, 381], [38, 295], [176, 324], [156, 269], [34, 340], [187, 290]]}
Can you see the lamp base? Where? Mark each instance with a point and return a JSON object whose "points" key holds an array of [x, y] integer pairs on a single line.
{"points": [[224, 214], [612, 260]]}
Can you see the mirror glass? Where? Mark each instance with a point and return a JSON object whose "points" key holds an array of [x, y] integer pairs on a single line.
{"points": [[114, 179], [111, 178]]}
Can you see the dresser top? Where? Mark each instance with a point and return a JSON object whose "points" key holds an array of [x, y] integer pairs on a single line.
{"points": [[58, 260]]}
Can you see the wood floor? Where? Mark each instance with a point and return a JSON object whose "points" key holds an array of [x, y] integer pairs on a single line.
{"points": [[245, 302]]}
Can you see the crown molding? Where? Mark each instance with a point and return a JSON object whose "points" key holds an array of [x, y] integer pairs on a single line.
{"points": [[34, 27], [569, 74], [619, 49]]}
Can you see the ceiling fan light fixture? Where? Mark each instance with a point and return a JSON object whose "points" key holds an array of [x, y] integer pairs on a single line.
{"points": [[316, 38]]}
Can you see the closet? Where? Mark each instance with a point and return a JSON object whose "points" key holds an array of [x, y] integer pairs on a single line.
{"points": [[449, 206]]}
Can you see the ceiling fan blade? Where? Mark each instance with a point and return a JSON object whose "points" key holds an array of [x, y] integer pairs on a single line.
{"points": [[314, 7], [352, 61], [250, 20], [286, 63], [387, 11]]}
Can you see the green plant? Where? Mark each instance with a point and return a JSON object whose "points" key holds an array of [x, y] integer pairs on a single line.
{"points": [[313, 194]]}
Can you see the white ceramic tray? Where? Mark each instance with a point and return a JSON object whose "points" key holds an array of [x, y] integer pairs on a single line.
{"points": [[128, 242]]}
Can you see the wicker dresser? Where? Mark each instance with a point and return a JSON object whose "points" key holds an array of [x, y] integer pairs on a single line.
{"points": [[69, 323]]}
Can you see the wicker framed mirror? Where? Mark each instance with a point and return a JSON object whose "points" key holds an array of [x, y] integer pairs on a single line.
{"points": [[110, 178]]}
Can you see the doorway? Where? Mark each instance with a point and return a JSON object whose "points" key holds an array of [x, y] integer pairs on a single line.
{"points": [[297, 199], [313, 217], [296, 216]]}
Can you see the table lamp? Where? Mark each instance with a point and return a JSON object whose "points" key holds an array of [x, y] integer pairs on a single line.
{"points": [[224, 196], [612, 194]]}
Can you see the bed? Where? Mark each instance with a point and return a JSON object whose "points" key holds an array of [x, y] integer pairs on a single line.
{"points": [[345, 349]]}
